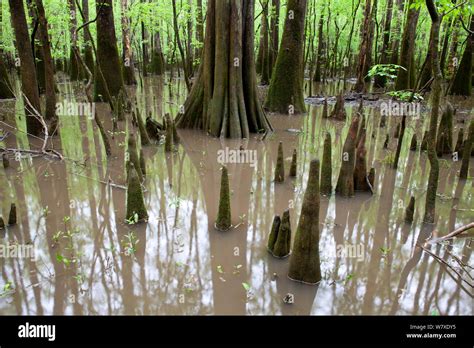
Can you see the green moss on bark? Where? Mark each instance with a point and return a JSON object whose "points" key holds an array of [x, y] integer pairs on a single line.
{"points": [[304, 261], [223, 222], [273, 233], [282, 244], [135, 202], [286, 86]]}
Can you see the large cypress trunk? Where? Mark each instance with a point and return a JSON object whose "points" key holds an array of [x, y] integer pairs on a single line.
{"points": [[107, 53], [405, 78], [224, 100], [157, 60], [286, 87], [462, 84], [29, 82]]}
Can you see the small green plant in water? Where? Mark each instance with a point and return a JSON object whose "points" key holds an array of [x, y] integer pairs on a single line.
{"points": [[132, 220], [129, 244]]}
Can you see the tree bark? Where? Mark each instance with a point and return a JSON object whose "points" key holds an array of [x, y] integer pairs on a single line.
{"points": [[405, 78], [462, 84], [107, 53], [50, 86], [430, 205], [29, 80], [128, 71], [286, 87], [224, 100]]}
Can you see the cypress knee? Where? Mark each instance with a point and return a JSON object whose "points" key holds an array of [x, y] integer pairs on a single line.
{"points": [[223, 222], [135, 201], [12, 216], [326, 168], [304, 260], [282, 244], [345, 182], [273, 233], [133, 156], [339, 112], [280, 165]]}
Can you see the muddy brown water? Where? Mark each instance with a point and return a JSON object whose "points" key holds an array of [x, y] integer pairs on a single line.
{"points": [[89, 261]]}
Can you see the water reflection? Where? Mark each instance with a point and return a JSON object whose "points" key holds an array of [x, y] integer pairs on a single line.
{"points": [[181, 265]]}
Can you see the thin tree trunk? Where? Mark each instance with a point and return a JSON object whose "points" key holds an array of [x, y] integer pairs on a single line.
{"points": [[29, 80]]}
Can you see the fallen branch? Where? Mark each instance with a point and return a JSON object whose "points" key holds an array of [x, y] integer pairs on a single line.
{"points": [[453, 234]]}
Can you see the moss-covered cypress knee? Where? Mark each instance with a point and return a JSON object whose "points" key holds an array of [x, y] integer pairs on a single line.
{"points": [[133, 155], [345, 182], [223, 222], [273, 233], [414, 143], [304, 260], [466, 153], [410, 211], [326, 168], [280, 165], [339, 112], [6, 162], [12, 216], [135, 202], [294, 164], [283, 242]]}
